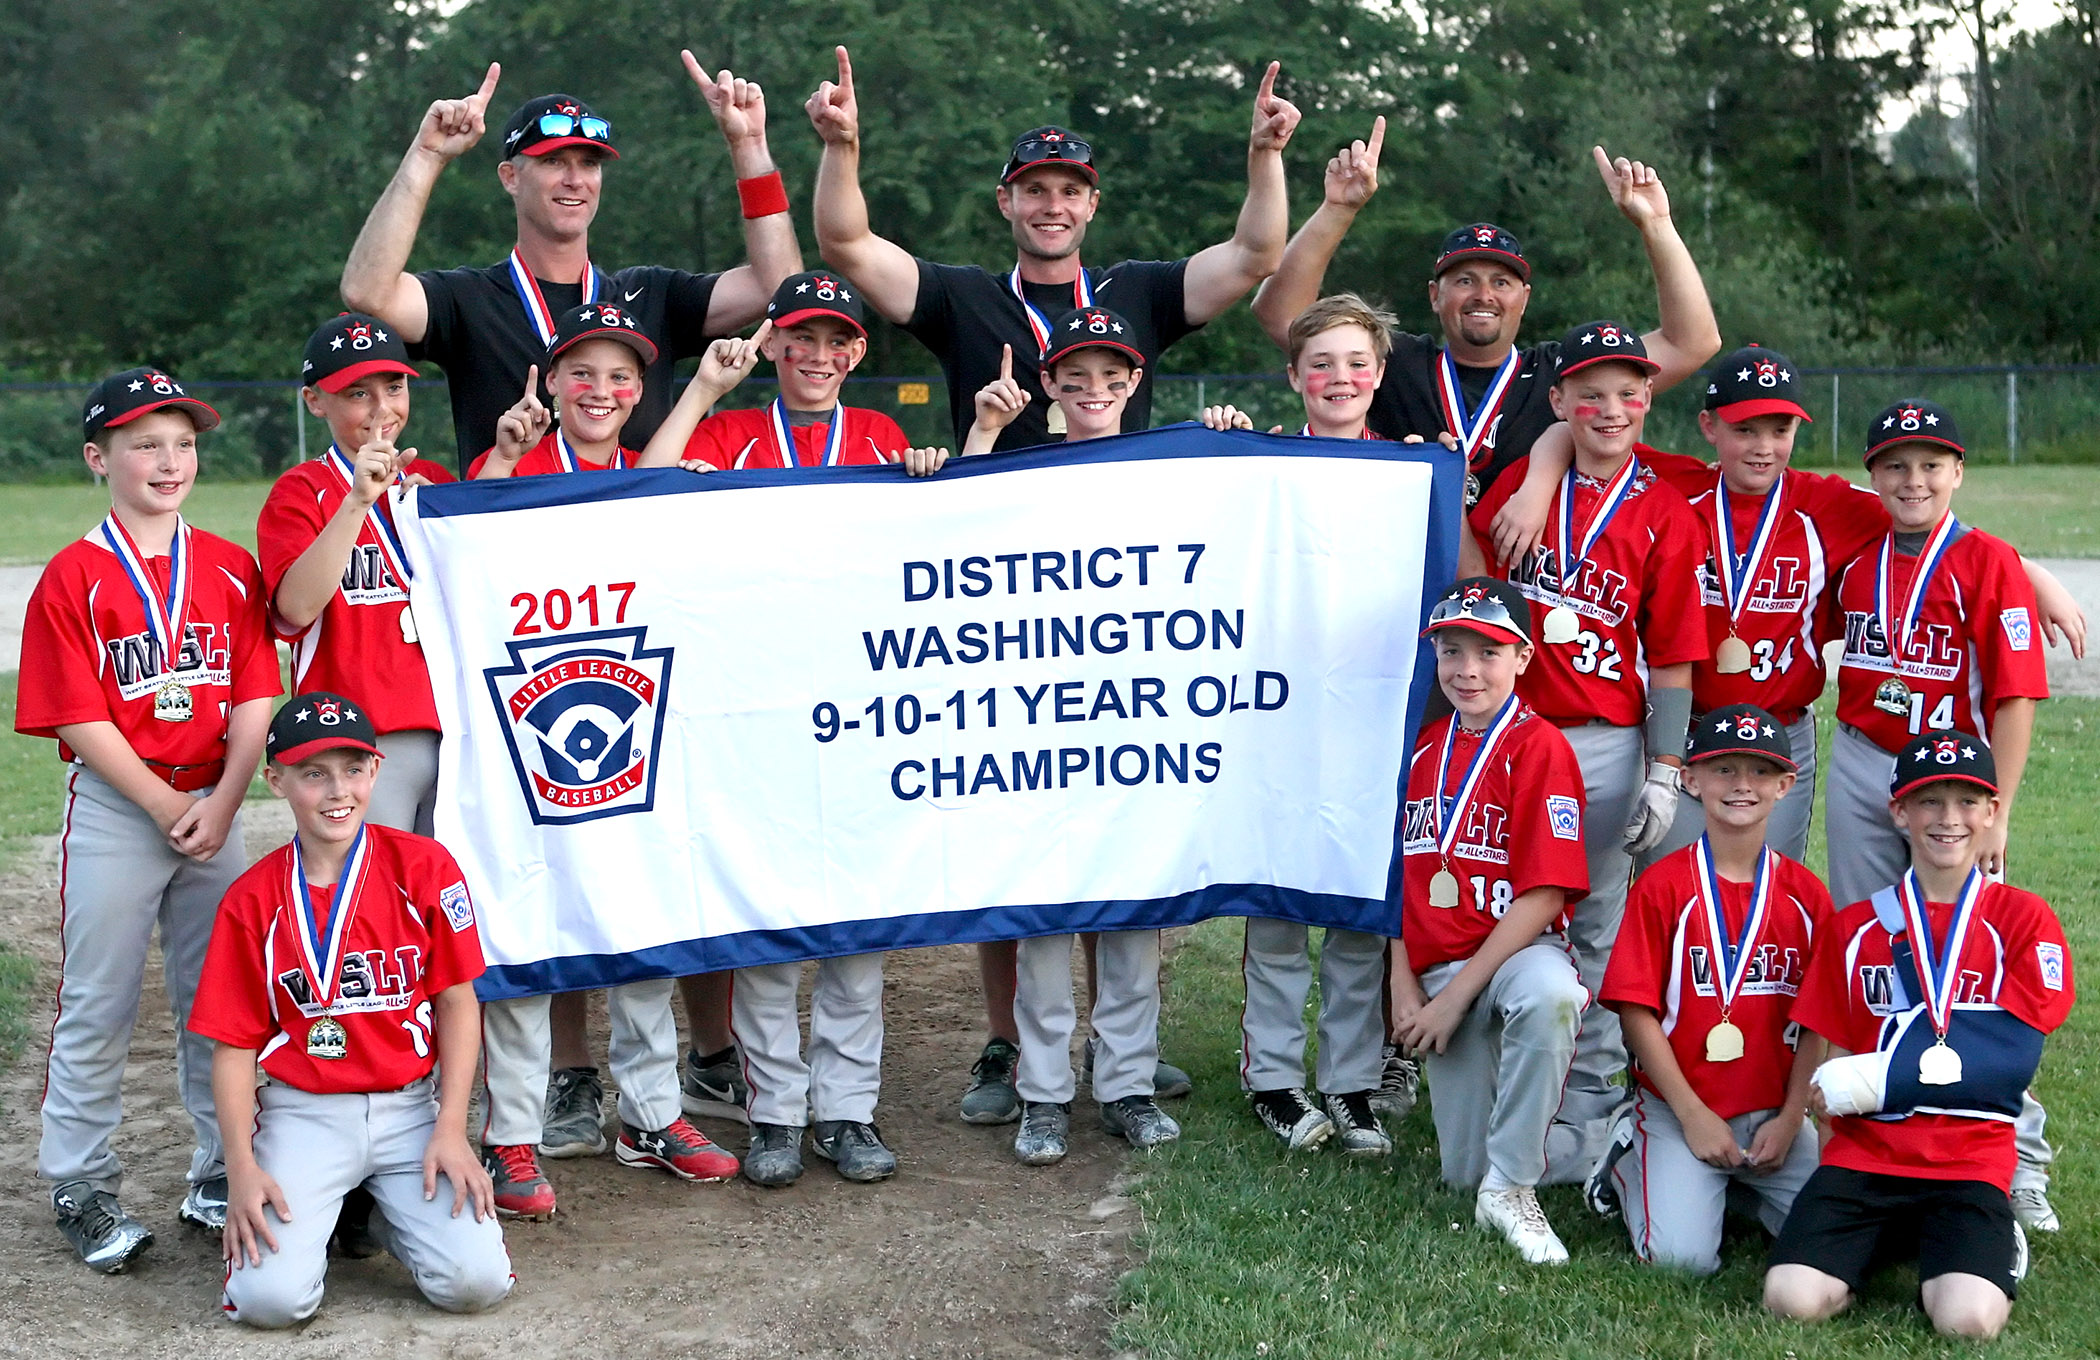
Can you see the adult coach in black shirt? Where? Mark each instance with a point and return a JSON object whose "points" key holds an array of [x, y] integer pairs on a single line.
{"points": [[1048, 192], [485, 326]]}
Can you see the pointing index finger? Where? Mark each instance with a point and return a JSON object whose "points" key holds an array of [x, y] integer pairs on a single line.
{"points": [[532, 383], [1006, 362], [694, 69], [1377, 138], [480, 98], [845, 70], [1268, 83]]}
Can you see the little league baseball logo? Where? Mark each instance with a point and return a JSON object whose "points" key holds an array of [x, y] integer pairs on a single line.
{"points": [[584, 717]]}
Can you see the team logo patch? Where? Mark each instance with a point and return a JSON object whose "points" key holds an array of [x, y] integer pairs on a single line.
{"points": [[2019, 628], [584, 717], [1564, 814], [459, 908], [2051, 958]]}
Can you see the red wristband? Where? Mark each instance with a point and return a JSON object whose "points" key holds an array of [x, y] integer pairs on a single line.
{"points": [[762, 195]]}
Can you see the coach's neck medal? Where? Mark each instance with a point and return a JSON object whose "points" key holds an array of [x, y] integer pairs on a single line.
{"points": [[379, 520], [1448, 811], [1729, 956], [1896, 628], [1939, 968], [784, 435], [537, 314], [1570, 554], [1038, 324], [1738, 571], [326, 1037], [166, 618], [1474, 428]]}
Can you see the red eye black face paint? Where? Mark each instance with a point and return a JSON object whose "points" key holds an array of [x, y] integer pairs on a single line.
{"points": [[1587, 410], [623, 394], [1634, 404], [1318, 381]]}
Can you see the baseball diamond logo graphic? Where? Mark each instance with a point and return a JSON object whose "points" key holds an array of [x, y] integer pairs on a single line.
{"points": [[584, 718]]}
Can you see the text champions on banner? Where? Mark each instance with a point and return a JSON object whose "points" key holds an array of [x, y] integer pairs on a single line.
{"points": [[704, 722]]}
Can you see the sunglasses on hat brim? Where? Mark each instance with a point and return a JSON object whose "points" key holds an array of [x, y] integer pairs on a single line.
{"points": [[556, 130], [1487, 616], [1031, 152]]}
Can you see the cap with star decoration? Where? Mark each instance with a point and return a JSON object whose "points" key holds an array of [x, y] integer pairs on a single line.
{"points": [[601, 321], [318, 721], [124, 397], [816, 293], [1602, 342], [1482, 241], [1913, 421], [1935, 756], [1752, 381], [350, 347], [1090, 328], [1738, 730], [1492, 608]]}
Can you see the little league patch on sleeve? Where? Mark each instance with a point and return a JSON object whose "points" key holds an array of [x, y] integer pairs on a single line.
{"points": [[459, 908], [2019, 628], [2051, 957], [1565, 816]]}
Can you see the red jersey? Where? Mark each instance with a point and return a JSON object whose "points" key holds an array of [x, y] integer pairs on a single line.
{"points": [[2014, 959], [744, 439], [1976, 642], [1665, 960], [1822, 523], [88, 654], [356, 647], [1522, 830], [544, 458], [413, 937], [1636, 597]]}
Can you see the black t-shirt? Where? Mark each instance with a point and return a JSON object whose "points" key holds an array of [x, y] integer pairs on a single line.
{"points": [[1406, 402], [964, 314], [480, 335]]}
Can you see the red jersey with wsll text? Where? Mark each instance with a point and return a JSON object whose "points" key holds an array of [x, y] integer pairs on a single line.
{"points": [[729, 440]]}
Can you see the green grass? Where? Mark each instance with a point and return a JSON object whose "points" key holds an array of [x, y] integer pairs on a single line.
{"points": [[1249, 1251], [36, 521], [30, 799], [2042, 511]]}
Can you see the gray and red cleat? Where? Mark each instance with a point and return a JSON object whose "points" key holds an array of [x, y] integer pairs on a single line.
{"points": [[522, 1190], [681, 1149]]}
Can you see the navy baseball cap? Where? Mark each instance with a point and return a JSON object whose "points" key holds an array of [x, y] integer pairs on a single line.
{"points": [[816, 293], [601, 321], [1913, 420], [1049, 145], [1493, 608], [1482, 241], [1602, 342], [123, 397], [318, 721], [1738, 730], [1090, 328], [1935, 756], [352, 346], [552, 122], [1751, 382]]}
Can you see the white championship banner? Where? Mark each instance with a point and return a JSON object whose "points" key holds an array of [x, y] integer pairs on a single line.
{"points": [[700, 722]]}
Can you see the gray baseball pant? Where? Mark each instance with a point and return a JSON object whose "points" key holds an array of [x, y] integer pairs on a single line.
{"points": [[517, 1047], [118, 879], [404, 796], [320, 1147], [1278, 972], [1674, 1203], [1495, 1088], [1787, 832], [842, 1078], [1613, 762], [1125, 1017]]}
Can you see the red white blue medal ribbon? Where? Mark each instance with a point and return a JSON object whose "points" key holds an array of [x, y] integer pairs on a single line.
{"points": [[1938, 966], [1449, 810], [528, 291], [1472, 432], [566, 456], [324, 967], [165, 618], [1731, 954], [784, 435], [1082, 296], [1896, 630], [390, 549], [1739, 570], [1613, 497]]}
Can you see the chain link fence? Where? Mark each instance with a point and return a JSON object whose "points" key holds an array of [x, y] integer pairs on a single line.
{"points": [[2008, 414]]}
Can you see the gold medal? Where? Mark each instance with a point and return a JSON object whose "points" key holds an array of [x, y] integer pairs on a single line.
{"points": [[172, 703], [1732, 657], [1560, 625], [408, 625], [326, 1038], [1939, 1065], [1893, 696], [1724, 1042], [1443, 889], [1055, 418]]}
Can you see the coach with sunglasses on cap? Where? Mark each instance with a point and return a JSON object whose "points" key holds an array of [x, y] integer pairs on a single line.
{"points": [[1048, 191], [486, 326]]}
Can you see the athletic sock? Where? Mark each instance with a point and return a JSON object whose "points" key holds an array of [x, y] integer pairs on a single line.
{"points": [[713, 1059], [1496, 1181]]}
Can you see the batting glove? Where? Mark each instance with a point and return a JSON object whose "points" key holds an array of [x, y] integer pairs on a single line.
{"points": [[1654, 808]]}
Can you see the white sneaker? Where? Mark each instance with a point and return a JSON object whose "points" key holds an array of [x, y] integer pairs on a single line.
{"points": [[1515, 1213], [2019, 1268], [2030, 1205]]}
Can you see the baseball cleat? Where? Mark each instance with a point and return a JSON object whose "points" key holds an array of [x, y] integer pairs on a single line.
{"points": [[1290, 1114], [107, 1238], [1140, 1121], [857, 1149], [2030, 1205], [522, 1190], [1599, 1190], [354, 1237], [204, 1206], [681, 1149], [2019, 1265], [775, 1156], [715, 1085], [573, 1124], [1168, 1081], [1399, 1085], [1044, 1128], [991, 1098], [1516, 1215], [1357, 1123]]}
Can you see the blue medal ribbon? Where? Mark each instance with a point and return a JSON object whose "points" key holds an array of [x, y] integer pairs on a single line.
{"points": [[1082, 296], [784, 435], [1938, 965], [165, 618], [324, 967], [1731, 954]]}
